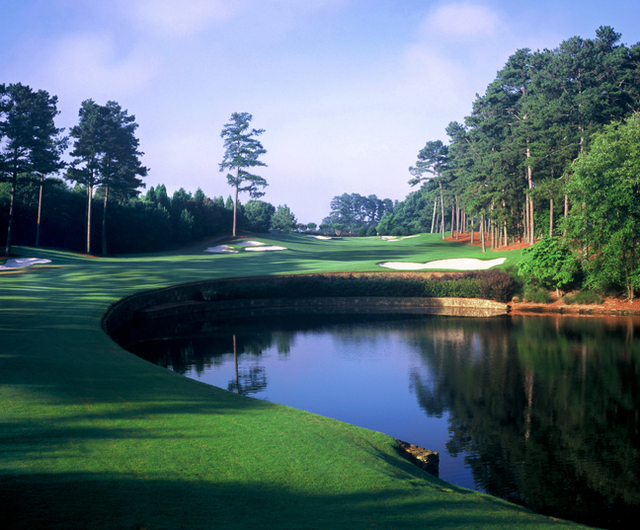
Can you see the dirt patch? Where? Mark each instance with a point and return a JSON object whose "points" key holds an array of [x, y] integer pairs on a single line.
{"points": [[609, 306], [465, 237]]}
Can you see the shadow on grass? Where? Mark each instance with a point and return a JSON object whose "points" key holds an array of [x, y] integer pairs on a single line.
{"points": [[95, 500]]}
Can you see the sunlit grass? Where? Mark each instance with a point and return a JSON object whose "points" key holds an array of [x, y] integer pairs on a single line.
{"points": [[94, 437]]}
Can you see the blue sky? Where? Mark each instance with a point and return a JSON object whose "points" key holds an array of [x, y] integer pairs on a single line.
{"points": [[348, 91]]}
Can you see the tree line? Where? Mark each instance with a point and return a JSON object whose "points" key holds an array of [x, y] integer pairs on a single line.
{"points": [[507, 169], [104, 153], [104, 179]]}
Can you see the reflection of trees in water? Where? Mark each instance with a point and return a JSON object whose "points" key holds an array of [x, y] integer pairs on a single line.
{"points": [[248, 380], [546, 410]]}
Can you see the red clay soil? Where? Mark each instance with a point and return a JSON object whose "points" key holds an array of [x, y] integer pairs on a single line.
{"points": [[465, 237], [610, 306]]}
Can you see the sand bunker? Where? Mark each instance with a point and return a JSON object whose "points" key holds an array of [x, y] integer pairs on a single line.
{"points": [[395, 238], [460, 264], [221, 249], [19, 263], [246, 246], [264, 248], [249, 244], [319, 237]]}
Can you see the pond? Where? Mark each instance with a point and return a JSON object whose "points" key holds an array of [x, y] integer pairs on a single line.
{"points": [[541, 411]]}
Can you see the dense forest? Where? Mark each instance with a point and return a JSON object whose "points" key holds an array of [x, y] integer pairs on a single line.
{"points": [[151, 222], [508, 167]]}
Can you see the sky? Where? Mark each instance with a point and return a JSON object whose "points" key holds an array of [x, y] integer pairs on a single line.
{"points": [[347, 91]]}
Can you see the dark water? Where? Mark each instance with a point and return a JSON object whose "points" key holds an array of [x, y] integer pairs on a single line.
{"points": [[541, 411]]}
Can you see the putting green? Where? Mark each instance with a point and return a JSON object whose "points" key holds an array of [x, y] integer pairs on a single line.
{"points": [[94, 437]]}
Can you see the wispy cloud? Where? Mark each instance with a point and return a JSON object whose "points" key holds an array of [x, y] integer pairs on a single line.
{"points": [[178, 18], [89, 65], [463, 20]]}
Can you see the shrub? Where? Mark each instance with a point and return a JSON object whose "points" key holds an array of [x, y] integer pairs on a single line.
{"points": [[540, 296], [494, 285], [549, 264], [582, 297]]}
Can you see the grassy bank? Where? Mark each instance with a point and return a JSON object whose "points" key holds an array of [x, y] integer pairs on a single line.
{"points": [[93, 437]]}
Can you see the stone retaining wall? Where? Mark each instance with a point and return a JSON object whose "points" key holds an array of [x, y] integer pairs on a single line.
{"points": [[181, 300]]}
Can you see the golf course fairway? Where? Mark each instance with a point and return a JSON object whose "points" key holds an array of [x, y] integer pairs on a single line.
{"points": [[94, 437]]}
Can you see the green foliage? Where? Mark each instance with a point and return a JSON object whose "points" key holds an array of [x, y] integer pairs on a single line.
{"points": [[242, 151], [29, 140], [258, 215], [137, 225], [283, 219], [385, 225], [537, 295], [604, 222], [548, 264], [354, 211], [106, 154]]}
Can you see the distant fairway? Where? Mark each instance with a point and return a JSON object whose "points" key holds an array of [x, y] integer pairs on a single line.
{"points": [[94, 437]]}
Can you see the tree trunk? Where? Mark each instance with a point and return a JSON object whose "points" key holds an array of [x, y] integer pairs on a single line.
{"points": [[530, 219], [433, 217], [472, 229], [482, 232], [453, 215], [441, 209], [14, 184], [39, 209], [89, 202], [104, 221], [235, 206], [530, 215], [506, 235], [492, 231]]}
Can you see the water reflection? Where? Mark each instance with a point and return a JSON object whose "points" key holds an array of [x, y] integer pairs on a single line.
{"points": [[544, 411]]}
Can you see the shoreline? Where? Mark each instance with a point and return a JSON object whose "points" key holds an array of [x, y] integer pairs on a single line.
{"points": [[609, 307]]}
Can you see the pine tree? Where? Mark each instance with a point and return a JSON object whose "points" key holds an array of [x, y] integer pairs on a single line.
{"points": [[242, 152], [30, 141]]}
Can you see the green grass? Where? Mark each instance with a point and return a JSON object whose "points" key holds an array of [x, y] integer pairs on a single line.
{"points": [[94, 437]]}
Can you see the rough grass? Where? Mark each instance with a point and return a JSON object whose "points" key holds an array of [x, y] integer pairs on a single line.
{"points": [[94, 437]]}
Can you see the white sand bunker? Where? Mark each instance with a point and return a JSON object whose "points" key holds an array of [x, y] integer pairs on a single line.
{"points": [[221, 249], [264, 248], [460, 264], [19, 263], [249, 244], [319, 237], [395, 238]]}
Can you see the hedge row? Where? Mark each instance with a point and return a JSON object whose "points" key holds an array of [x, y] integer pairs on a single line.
{"points": [[491, 285]]}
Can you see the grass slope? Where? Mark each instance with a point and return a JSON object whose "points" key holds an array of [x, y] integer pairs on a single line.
{"points": [[93, 437]]}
